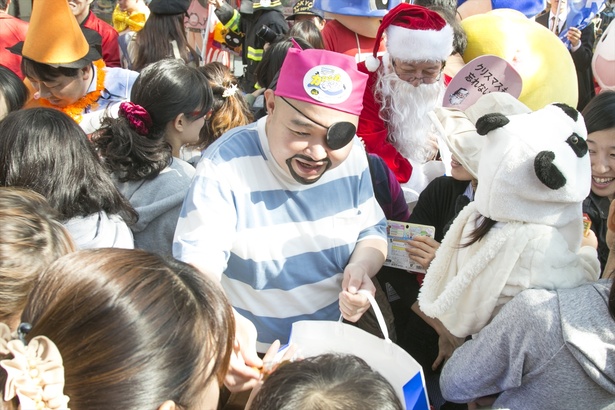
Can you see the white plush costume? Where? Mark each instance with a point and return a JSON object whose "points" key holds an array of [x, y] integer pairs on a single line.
{"points": [[534, 172]]}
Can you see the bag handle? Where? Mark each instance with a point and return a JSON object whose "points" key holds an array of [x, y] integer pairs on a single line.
{"points": [[377, 311]]}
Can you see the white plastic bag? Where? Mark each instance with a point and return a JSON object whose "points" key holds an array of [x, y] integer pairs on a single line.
{"points": [[315, 337]]}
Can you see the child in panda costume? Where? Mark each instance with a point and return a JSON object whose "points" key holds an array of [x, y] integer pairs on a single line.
{"points": [[524, 229]]}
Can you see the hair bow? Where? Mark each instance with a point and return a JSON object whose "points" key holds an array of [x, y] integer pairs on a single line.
{"points": [[137, 116], [35, 374]]}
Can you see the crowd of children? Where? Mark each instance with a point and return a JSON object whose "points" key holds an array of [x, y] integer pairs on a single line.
{"points": [[164, 223]]}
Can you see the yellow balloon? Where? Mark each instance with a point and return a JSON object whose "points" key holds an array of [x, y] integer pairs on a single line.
{"points": [[540, 58]]}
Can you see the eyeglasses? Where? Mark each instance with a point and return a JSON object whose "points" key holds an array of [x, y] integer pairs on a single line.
{"points": [[409, 77], [339, 134]]}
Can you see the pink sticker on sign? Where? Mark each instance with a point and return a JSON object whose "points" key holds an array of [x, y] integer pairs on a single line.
{"points": [[483, 75]]}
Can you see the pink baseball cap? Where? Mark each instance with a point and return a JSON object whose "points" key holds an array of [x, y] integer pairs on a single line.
{"points": [[324, 78]]}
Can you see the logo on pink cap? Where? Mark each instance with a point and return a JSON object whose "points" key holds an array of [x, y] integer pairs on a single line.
{"points": [[329, 79], [327, 84]]}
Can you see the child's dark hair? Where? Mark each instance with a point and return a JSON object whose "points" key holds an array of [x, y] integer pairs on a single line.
{"points": [[12, 89], [328, 381], [484, 226], [45, 72], [599, 113], [164, 89], [46, 151], [153, 42], [267, 70], [134, 329], [307, 30]]}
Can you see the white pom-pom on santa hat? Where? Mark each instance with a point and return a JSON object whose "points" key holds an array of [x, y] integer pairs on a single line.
{"points": [[372, 63], [414, 33]]}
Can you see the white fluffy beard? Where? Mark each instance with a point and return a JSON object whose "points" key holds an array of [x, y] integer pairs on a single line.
{"points": [[404, 108]]}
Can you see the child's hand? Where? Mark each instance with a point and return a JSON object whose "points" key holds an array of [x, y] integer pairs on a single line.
{"points": [[422, 250], [590, 240]]}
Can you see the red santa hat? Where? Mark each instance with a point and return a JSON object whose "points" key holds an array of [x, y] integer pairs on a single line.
{"points": [[413, 33]]}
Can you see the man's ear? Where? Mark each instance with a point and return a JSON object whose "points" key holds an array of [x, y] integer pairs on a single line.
{"points": [[87, 72], [269, 101], [168, 405]]}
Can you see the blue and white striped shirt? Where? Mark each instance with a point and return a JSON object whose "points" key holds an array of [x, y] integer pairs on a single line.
{"points": [[280, 246]]}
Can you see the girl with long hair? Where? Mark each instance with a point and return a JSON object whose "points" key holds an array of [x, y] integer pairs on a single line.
{"points": [[44, 150], [229, 109], [118, 329], [141, 148], [163, 36]]}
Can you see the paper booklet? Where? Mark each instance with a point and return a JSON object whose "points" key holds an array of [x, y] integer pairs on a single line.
{"points": [[397, 235]]}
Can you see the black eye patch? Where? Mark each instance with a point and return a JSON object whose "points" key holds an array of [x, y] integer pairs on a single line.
{"points": [[340, 134], [578, 145]]}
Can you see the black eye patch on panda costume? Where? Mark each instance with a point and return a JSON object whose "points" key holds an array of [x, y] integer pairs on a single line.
{"points": [[578, 144], [339, 134]]}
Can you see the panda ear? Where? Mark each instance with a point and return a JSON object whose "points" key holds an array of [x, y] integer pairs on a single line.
{"points": [[490, 122], [571, 112]]}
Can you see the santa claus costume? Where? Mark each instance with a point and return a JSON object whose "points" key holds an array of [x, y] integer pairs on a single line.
{"points": [[394, 123]]}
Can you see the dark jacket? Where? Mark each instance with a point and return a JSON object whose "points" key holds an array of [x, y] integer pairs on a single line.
{"points": [[247, 25], [582, 59], [597, 207]]}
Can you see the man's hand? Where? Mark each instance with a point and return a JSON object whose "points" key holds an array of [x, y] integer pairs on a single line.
{"points": [[353, 304], [422, 249], [243, 373], [574, 36]]}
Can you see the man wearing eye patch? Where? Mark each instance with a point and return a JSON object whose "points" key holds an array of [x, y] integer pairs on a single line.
{"points": [[404, 86], [282, 211]]}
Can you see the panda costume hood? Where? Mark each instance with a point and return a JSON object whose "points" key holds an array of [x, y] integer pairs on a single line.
{"points": [[535, 168], [534, 173]]}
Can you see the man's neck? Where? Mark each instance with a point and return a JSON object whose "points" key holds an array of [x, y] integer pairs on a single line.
{"points": [[81, 18]]}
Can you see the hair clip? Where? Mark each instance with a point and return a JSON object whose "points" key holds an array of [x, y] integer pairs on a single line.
{"points": [[230, 91], [23, 329]]}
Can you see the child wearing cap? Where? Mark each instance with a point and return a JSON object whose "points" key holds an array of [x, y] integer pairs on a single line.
{"points": [[304, 10], [163, 36], [282, 211]]}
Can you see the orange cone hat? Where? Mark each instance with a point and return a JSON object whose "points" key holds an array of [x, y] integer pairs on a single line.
{"points": [[54, 37]]}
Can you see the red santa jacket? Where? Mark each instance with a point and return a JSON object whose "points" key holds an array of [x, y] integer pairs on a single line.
{"points": [[374, 132], [110, 45]]}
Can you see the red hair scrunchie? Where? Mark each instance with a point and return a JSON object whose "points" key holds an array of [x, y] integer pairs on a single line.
{"points": [[137, 117]]}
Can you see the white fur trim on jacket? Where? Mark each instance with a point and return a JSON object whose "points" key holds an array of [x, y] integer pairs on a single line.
{"points": [[464, 287]]}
